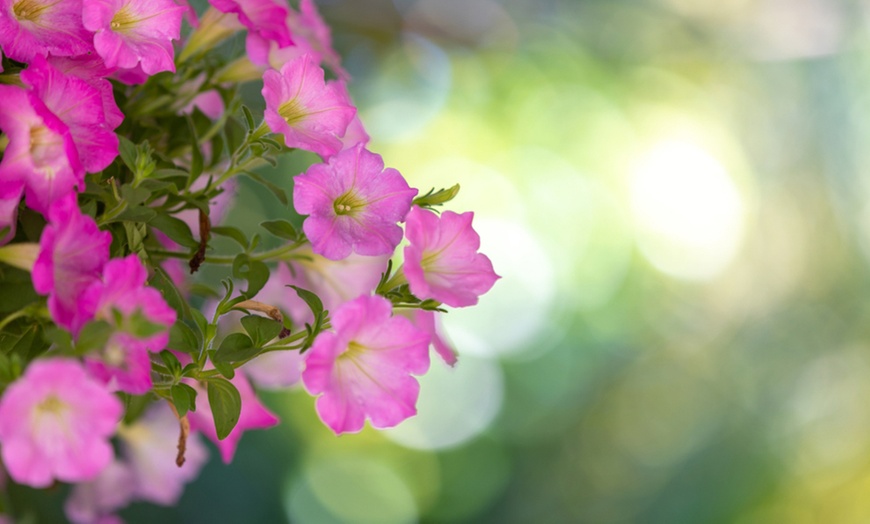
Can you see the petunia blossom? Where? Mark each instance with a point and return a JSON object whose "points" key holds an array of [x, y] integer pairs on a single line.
{"points": [[128, 33], [92, 70], [428, 322], [30, 28], [311, 114], [97, 500], [149, 447], [266, 18], [72, 254], [363, 368], [442, 262], [55, 423], [124, 362], [353, 204], [10, 196], [40, 154], [80, 108]]}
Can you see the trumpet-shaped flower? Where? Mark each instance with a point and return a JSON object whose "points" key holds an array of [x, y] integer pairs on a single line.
{"points": [[310, 113], [92, 70], [353, 204], [78, 106], [442, 262], [128, 33], [55, 423], [30, 28], [96, 501], [363, 369], [124, 363], [72, 254], [40, 154], [266, 18]]}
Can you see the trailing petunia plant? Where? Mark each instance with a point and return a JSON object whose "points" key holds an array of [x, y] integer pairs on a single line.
{"points": [[122, 144]]}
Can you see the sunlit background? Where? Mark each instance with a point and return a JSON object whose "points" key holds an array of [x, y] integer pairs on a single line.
{"points": [[675, 193]]}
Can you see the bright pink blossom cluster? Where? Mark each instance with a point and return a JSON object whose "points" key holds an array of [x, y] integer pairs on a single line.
{"points": [[109, 202]]}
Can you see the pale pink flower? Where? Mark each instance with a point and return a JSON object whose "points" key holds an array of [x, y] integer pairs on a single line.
{"points": [[55, 423], [30, 28], [254, 415], [130, 33], [72, 254], [124, 362], [442, 262], [40, 154], [79, 106], [363, 369], [310, 113], [149, 446], [94, 501], [353, 204]]}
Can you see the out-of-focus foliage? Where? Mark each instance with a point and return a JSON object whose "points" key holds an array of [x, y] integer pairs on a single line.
{"points": [[676, 194]]}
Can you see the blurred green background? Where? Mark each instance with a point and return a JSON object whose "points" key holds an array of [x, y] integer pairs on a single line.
{"points": [[675, 194]]}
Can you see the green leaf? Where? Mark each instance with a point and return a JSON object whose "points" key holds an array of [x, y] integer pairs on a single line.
{"points": [[93, 336], [60, 338], [254, 271], [277, 191], [172, 363], [175, 229], [235, 348], [196, 162], [437, 198], [182, 399], [261, 329], [226, 405], [127, 149], [313, 301], [231, 232], [281, 229], [249, 118]]}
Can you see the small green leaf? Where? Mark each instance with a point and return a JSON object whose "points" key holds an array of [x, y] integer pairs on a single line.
{"points": [[93, 336], [226, 405], [172, 363], [261, 329], [437, 198], [181, 398], [127, 150], [281, 229], [313, 301], [279, 193], [249, 118], [231, 232], [254, 271], [235, 348], [175, 229]]}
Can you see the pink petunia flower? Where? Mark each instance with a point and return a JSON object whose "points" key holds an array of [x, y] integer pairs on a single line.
{"points": [[353, 204], [428, 322], [96, 500], [40, 154], [266, 18], [254, 415], [129, 33], [124, 362], [92, 70], [442, 262], [55, 423], [30, 28], [79, 106], [149, 447], [310, 113], [72, 254], [363, 369]]}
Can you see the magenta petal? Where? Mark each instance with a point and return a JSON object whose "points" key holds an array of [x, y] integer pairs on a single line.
{"points": [[46, 27]]}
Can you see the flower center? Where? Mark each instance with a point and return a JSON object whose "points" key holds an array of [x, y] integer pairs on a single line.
{"points": [[348, 204], [51, 405], [30, 10], [123, 19], [353, 350], [292, 111]]}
